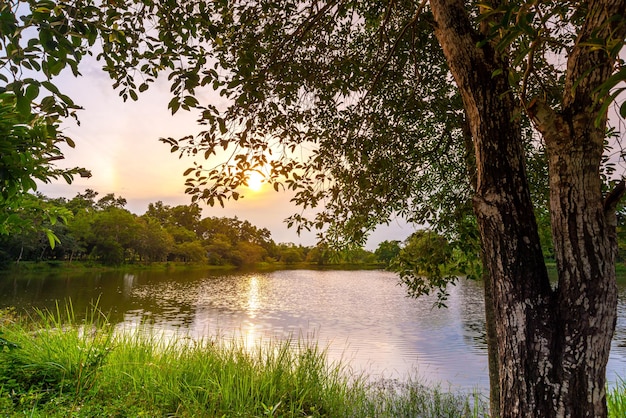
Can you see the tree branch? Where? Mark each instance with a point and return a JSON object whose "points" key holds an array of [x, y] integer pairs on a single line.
{"points": [[393, 49], [613, 198], [590, 64]]}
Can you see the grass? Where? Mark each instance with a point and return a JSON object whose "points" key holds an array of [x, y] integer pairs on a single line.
{"points": [[53, 366], [616, 400]]}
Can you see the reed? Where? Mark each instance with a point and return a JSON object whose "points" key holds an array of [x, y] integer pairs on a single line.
{"points": [[51, 366]]}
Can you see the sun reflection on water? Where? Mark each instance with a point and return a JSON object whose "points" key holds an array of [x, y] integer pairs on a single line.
{"points": [[250, 330], [254, 299]]}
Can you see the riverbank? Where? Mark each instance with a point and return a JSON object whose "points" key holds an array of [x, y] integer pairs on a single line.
{"points": [[90, 266], [54, 367]]}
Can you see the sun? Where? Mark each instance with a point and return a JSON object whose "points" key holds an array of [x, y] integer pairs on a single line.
{"points": [[255, 181]]}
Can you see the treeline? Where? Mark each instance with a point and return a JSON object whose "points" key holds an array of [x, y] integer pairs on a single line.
{"points": [[100, 229]]}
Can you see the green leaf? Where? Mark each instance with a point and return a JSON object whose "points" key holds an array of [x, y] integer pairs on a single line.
{"points": [[23, 105], [52, 239], [50, 87], [174, 105], [32, 91]]}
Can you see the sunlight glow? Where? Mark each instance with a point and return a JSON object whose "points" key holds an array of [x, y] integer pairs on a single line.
{"points": [[255, 181]]}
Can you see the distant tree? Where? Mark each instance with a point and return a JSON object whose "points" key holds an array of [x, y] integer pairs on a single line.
{"points": [[322, 254], [190, 251], [159, 211], [290, 253], [110, 201], [219, 248], [154, 243], [232, 240], [80, 229], [180, 233], [187, 246], [247, 253], [83, 201], [387, 251], [115, 233], [357, 255], [186, 216]]}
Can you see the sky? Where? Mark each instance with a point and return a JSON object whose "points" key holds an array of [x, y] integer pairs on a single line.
{"points": [[118, 142]]}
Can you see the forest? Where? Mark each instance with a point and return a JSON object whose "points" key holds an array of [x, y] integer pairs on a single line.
{"points": [[88, 227]]}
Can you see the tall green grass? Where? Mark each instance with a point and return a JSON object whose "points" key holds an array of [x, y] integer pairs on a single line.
{"points": [[55, 366], [616, 400]]}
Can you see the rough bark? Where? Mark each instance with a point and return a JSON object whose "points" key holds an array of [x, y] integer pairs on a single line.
{"points": [[492, 344], [553, 345], [490, 324]]}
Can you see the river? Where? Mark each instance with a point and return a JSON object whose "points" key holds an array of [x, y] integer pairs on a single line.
{"points": [[362, 318]]}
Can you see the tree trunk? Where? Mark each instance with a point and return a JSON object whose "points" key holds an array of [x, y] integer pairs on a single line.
{"points": [[490, 318], [19, 257], [553, 345], [492, 343]]}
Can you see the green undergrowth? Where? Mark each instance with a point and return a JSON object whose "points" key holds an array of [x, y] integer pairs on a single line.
{"points": [[53, 366]]}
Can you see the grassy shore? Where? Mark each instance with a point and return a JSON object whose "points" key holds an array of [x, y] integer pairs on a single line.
{"points": [[80, 267], [52, 366]]}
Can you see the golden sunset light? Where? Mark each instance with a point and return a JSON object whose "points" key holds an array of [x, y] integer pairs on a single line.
{"points": [[118, 142], [256, 181]]}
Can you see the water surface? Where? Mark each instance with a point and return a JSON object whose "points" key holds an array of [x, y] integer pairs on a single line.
{"points": [[363, 317]]}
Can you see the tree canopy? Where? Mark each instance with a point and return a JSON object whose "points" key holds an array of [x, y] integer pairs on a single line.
{"points": [[38, 40]]}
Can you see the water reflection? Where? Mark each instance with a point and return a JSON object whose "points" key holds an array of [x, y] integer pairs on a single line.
{"points": [[362, 317], [129, 280], [253, 296]]}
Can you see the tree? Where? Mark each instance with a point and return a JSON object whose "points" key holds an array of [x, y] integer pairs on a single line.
{"points": [[109, 201], [36, 39], [387, 251], [247, 253], [290, 253], [115, 232], [368, 84], [33, 220], [566, 368], [186, 216], [154, 242], [159, 211], [189, 251]]}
